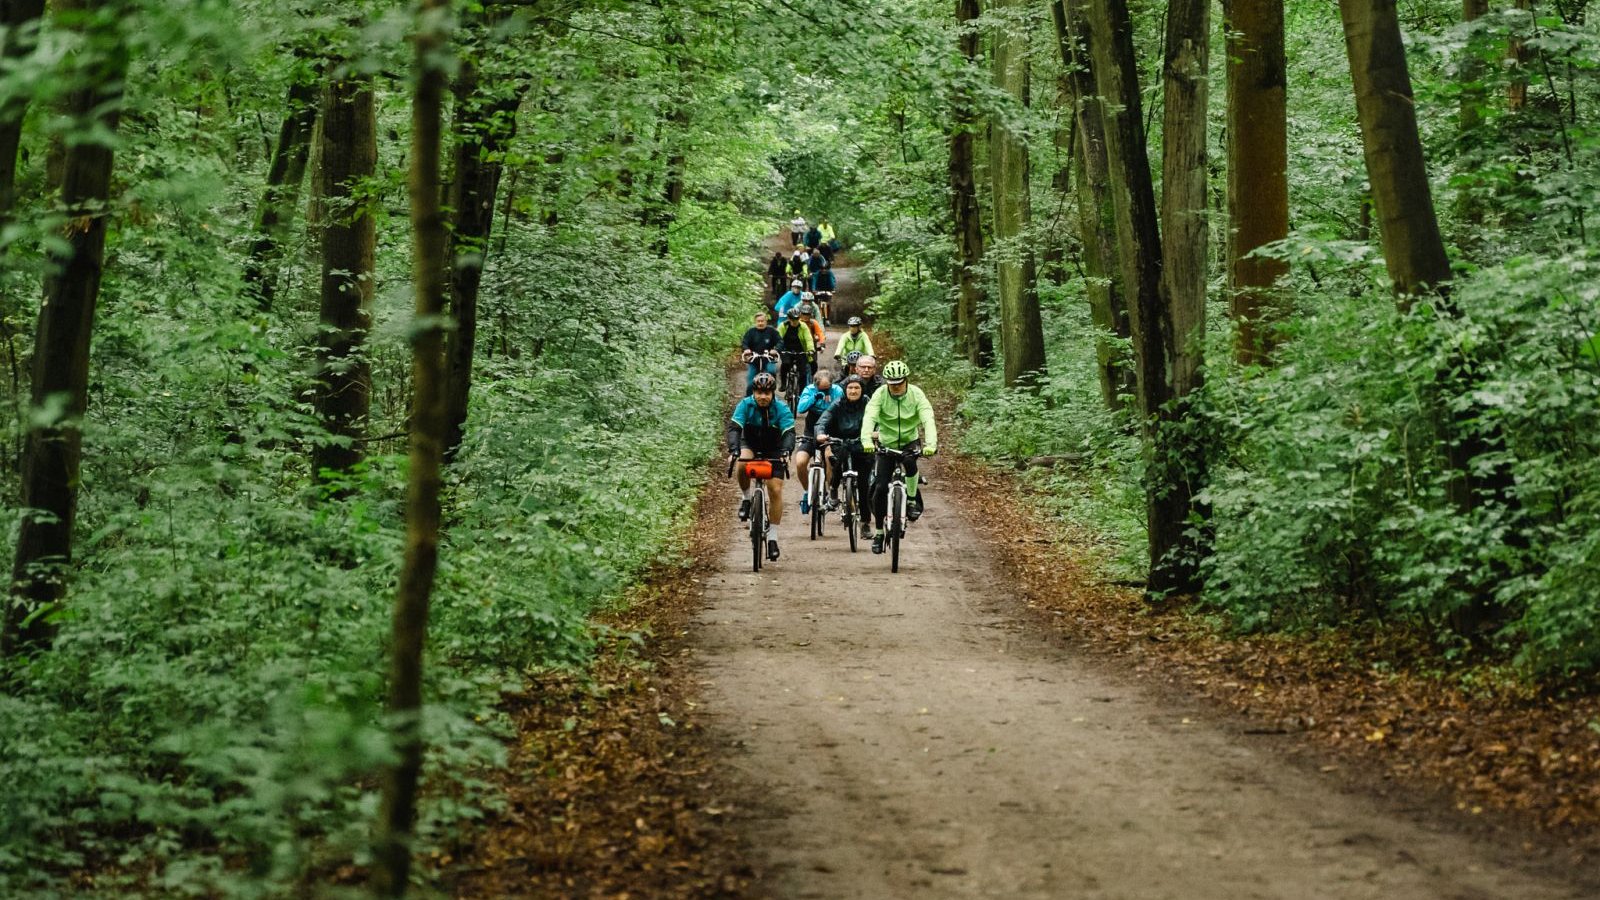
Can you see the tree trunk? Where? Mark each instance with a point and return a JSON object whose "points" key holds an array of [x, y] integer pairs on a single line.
{"points": [[1185, 241], [61, 343], [1097, 216], [429, 247], [1258, 172], [1167, 499], [676, 135], [1472, 96], [1517, 56], [1021, 331], [284, 176], [20, 19], [484, 127], [970, 340], [1401, 195], [349, 155]]}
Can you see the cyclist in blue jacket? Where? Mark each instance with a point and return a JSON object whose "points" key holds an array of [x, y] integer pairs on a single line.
{"points": [[815, 400], [762, 427]]}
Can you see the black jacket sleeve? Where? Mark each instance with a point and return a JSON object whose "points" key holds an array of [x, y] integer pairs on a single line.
{"points": [[734, 435]]}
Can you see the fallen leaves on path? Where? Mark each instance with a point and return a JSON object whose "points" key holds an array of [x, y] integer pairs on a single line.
{"points": [[1382, 697]]}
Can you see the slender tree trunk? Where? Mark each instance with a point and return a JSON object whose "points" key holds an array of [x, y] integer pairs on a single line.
{"points": [[1021, 330], [970, 340], [484, 127], [1097, 215], [1407, 225], [285, 174], [21, 20], [61, 343], [1472, 96], [429, 248], [1258, 172], [349, 242], [1517, 56], [676, 135]]}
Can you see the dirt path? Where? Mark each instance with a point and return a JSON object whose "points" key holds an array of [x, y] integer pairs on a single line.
{"points": [[908, 736]]}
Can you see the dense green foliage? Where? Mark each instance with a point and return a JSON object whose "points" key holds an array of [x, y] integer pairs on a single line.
{"points": [[1329, 494], [209, 718]]}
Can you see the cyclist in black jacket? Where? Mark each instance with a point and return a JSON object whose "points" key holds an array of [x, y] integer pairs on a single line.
{"points": [[841, 423], [758, 341]]}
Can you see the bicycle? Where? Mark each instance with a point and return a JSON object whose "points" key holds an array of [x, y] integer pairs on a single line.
{"points": [[816, 480], [843, 450], [758, 471], [765, 361], [898, 499], [793, 380]]}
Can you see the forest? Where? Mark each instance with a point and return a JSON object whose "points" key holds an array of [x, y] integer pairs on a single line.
{"points": [[357, 355]]}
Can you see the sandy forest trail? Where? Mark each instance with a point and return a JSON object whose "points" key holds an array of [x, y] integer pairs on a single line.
{"points": [[910, 736]]}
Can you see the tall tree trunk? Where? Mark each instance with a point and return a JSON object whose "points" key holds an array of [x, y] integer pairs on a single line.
{"points": [[484, 127], [1258, 172], [61, 343], [349, 155], [1097, 215], [970, 339], [1401, 195], [1021, 331], [676, 134], [1517, 56], [21, 20], [429, 247], [1474, 447], [282, 194], [1167, 500]]}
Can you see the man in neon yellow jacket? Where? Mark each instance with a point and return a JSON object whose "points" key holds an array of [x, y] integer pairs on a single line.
{"points": [[892, 420]]}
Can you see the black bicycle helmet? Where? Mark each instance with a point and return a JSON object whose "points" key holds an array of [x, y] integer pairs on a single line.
{"points": [[851, 358], [764, 381]]}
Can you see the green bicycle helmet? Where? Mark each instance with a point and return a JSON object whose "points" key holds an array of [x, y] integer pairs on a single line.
{"points": [[896, 371]]}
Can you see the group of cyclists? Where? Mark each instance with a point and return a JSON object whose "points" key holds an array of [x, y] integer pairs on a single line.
{"points": [[839, 419], [807, 271]]}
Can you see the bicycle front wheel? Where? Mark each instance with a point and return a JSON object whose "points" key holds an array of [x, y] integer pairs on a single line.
{"points": [[758, 526], [850, 526], [815, 499], [897, 511]]}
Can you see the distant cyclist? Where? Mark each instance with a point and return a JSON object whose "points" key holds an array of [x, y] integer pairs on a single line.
{"points": [[789, 301], [798, 342], [762, 427], [815, 400], [813, 237], [822, 284], [837, 427], [893, 418], [777, 274], [853, 341], [797, 228], [760, 347]]}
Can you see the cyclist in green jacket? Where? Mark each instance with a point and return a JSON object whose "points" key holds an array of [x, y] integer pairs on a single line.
{"points": [[892, 420], [853, 341]]}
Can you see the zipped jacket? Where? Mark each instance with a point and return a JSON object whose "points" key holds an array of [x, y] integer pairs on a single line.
{"points": [[896, 419], [767, 431]]}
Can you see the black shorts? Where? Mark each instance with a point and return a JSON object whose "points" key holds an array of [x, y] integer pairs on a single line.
{"points": [[806, 444]]}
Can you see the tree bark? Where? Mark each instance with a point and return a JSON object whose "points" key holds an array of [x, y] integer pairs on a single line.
{"points": [[1401, 195], [1517, 56], [1021, 330], [1167, 499], [1097, 216], [61, 343], [1258, 172], [20, 19], [484, 126], [970, 340], [676, 134], [285, 174], [349, 155], [1185, 232], [429, 248]]}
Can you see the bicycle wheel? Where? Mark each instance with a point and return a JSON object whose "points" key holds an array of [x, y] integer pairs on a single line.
{"points": [[758, 526], [897, 510], [848, 483], [814, 494]]}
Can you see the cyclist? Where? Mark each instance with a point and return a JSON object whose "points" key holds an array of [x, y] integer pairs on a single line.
{"points": [[816, 399], [819, 335], [762, 427], [797, 228], [797, 344], [893, 416], [829, 239], [777, 273], [849, 367], [822, 284], [790, 300], [838, 426], [797, 266], [853, 341], [867, 368], [813, 237], [758, 342]]}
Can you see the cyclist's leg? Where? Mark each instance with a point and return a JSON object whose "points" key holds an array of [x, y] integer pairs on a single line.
{"points": [[802, 466], [744, 480], [775, 494], [883, 468], [863, 463]]}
